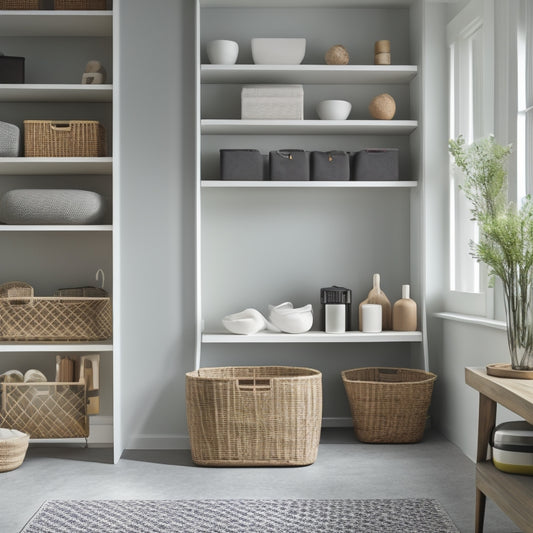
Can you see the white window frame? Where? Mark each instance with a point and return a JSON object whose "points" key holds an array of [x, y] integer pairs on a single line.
{"points": [[470, 114]]}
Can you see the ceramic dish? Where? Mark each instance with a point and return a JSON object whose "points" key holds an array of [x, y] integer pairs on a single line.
{"points": [[278, 51]]}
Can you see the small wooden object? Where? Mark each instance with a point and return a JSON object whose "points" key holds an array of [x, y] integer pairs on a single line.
{"points": [[337, 55], [94, 74], [404, 312], [382, 53], [383, 107], [377, 296], [504, 370]]}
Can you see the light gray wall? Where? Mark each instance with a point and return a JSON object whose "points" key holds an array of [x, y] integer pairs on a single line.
{"points": [[157, 148]]}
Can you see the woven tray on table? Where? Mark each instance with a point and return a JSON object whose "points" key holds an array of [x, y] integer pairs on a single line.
{"points": [[389, 405], [55, 319], [254, 416], [45, 410]]}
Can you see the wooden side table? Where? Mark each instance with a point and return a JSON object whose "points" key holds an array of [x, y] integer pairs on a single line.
{"points": [[512, 492]]}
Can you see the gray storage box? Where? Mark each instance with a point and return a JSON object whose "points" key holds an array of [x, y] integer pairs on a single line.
{"points": [[245, 165], [9, 140], [330, 166], [272, 102], [376, 164], [289, 165]]}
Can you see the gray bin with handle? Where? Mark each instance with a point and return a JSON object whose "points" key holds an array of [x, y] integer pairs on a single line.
{"points": [[9, 140], [376, 164]]}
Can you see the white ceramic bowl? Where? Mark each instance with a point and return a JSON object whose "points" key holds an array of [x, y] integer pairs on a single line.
{"points": [[278, 51], [333, 109], [290, 319], [222, 52]]}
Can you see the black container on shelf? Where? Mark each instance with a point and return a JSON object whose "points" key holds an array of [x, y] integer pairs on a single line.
{"points": [[330, 300], [11, 69], [289, 165], [241, 164], [376, 164], [330, 166]]}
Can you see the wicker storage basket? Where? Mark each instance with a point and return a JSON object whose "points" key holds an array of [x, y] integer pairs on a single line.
{"points": [[389, 404], [19, 4], [254, 416], [64, 138], [79, 4], [55, 319], [45, 410], [13, 450]]}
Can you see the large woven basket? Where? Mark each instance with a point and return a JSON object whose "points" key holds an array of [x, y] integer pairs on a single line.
{"points": [[64, 138], [19, 4], [13, 450], [254, 416], [45, 410], [389, 404], [80, 4], [55, 319]]}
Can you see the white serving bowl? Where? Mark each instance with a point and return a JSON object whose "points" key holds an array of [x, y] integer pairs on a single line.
{"points": [[290, 319], [222, 52], [278, 51], [333, 109]]}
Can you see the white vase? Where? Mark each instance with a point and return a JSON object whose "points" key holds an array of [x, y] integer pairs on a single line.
{"points": [[222, 52]]}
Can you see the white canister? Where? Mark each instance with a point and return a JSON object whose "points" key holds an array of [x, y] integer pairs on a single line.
{"points": [[222, 52], [335, 318], [371, 318]]}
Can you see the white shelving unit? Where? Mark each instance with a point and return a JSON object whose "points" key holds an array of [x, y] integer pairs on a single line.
{"points": [[264, 242], [71, 252]]}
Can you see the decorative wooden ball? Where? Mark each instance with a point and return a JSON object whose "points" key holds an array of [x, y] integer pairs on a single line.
{"points": [[382, 107], [337, 55]]}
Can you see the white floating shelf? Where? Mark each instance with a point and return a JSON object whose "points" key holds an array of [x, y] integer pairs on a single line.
{"points": [[309, 74], [58, 227], [314, 336], [227, 184], [39, 346], [52, 23], [307, 127], [40, 92], [306, 3], [55, 165]]}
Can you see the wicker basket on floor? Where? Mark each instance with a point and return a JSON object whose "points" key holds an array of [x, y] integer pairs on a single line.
{"points": [[20, 4], [80, 4], [254, 416], [13, 451], [389, 405], [64, 138], [46, 410]]}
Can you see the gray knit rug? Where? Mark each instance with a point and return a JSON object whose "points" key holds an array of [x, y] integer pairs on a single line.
{"points": [[241, 516]]}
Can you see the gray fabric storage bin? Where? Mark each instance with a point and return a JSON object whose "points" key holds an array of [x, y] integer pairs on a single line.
{"points": [[11, 69], [9, 140], [330, 166], [376, 164], [289, 165], [246, 165], [51, 206]]}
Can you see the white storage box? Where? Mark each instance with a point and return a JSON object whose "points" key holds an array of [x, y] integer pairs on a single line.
{"points": [[274, 102], [512, 447]]}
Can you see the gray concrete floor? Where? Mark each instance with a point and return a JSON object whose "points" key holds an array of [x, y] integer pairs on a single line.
{"points": [[345, 469]]}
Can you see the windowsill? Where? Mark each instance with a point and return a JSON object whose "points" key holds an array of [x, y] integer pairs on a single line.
{"points": [[472, 319]]}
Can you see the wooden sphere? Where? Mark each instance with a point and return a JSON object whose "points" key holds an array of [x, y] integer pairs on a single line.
{"points": [[337, 55], [382, 107]]}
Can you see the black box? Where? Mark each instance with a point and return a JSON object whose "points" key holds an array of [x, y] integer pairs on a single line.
{"points": [[330, 166], [11, 69], [289, 165], [376, 164], [245, 165]]}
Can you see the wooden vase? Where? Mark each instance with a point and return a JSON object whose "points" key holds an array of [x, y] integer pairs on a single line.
{"points": [[377, 296], [404, 312]]}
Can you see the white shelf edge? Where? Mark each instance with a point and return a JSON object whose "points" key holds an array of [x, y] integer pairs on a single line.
{"points": [[472, 319], [314, 336], [37, 346], [308, 74], [58, 227], [55, 165], [55, 92], [307, 127], [227, 184]]}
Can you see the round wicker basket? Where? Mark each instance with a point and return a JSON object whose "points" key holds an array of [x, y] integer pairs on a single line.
{"points": [[13, 446]]}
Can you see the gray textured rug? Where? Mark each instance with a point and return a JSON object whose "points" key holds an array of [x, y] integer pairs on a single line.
{"points": [[241, 516]]}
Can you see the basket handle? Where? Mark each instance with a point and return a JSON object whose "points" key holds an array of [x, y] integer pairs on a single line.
{"points": [[61, 125], [254, 384]]}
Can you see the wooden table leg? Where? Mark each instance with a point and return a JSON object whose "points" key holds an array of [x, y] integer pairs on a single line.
{"points": [[486, 422]]}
